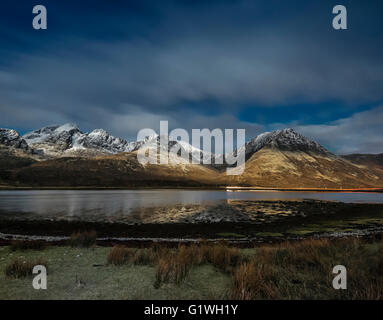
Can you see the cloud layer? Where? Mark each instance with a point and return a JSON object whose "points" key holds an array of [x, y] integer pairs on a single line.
{"points": [[196, 66], [360, 133]]}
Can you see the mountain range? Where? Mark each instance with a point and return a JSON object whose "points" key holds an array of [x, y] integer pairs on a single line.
{"points": [[64, 156], [69, 140]]}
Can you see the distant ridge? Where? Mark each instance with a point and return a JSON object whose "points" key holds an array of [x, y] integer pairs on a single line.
{"points": [[278, 159]]}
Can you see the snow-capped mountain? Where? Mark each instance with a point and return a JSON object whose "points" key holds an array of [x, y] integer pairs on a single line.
{"points": [[282, 158], [68, 140], [53, 140], [286, 139], [11, 138], [285, 158], [180, 152], [102, 140], [198, 154]]}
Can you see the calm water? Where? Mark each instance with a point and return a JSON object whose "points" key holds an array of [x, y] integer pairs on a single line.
{"points": [[53, 203]]}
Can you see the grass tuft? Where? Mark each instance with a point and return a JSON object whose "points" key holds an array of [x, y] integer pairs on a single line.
{"points": [[223, 257], [22, 268], [252, 281], [119, 255], [173, 267]]}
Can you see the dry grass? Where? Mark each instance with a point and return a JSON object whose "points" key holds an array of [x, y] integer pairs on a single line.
{"points": [[290, 270], [120, 255], [223, 257], [83, 239], [22, 268], [253, 281], [27, 245], [173, 266], [379, 265], [303, 270], [144, 257]]}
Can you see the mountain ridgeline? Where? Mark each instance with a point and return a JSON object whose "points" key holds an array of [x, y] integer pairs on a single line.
{"points": [[64, 156]]}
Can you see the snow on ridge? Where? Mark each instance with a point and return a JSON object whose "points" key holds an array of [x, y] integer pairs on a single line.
{"points": [[67, 127], [51, 133], [11, 138], [67, 137], [59, 139], [284, 139], [10, 134]]}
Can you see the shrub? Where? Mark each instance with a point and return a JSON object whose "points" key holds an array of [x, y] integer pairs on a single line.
{"points": [[27, 245], [22, 268], [83, 239]]}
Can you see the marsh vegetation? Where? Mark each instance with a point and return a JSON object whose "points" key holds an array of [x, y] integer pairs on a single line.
{"points": [[289, 270]]}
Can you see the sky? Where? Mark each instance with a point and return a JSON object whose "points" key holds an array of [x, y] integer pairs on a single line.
{"points": [[255, 65]]}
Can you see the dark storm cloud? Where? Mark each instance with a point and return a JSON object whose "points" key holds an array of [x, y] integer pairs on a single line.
{"points": [[127, 65]]}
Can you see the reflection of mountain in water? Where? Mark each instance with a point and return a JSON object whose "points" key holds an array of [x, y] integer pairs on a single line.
{"points": [[120, 205]]}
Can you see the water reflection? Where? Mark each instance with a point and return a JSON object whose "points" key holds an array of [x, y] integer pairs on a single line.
{"points": [[118, 203]]}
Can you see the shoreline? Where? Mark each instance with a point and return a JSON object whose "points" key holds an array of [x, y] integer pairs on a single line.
{"points": [[238, 221], [8, 239], [221, 188]]}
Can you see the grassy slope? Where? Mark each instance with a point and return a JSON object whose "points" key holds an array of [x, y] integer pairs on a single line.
{"points": [[267, 168], [121, 170], [270, 167]]}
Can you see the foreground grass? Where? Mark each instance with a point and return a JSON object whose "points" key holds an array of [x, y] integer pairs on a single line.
{"points": [[299, 270], [71, 275]]}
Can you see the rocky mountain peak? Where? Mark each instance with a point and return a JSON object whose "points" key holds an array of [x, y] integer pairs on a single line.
{"points": [[287, 140], [68, 139], [11, 138], [53, 139]]}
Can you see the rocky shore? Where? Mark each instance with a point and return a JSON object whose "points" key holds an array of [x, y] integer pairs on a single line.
{"points": [[258, 212], [229, 211], [239, 220]]}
